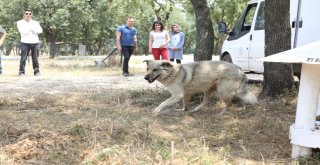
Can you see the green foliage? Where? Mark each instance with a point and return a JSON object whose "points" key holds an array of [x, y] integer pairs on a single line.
{"points": [[162, 149], [108, 152], [94, 23], [78, 130]]}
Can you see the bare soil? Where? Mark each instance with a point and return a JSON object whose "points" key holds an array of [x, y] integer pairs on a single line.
{"points": [[77, 113]]}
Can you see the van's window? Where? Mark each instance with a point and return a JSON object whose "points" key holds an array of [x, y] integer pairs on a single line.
{"points": [[248, 19], [260, 18], [243, 24]]}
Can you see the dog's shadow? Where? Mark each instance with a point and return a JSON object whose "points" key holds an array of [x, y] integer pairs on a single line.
{"points": [[196, 99], [141, 100], [177, 113]]}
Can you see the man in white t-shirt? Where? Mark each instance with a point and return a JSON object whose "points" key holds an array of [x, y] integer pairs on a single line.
{"points": [[29, 30]]}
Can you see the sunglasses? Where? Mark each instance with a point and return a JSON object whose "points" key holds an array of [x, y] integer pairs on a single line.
{"points": [[28, 13]]}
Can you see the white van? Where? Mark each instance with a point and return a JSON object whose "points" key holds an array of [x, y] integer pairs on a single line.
{"points": [[245, 43]]}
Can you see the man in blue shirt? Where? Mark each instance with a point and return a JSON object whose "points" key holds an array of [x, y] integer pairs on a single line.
{"points": [[126, 43]]}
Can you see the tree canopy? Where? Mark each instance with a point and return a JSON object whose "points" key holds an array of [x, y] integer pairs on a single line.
{"points": [[93, 22]]}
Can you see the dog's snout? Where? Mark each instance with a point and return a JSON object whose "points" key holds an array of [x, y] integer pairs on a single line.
{"points": [[146, 77]]}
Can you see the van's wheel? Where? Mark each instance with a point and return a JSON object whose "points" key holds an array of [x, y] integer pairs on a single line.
{"points": [[227, 58]]}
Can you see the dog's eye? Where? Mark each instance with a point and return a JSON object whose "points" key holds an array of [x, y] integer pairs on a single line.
{"points": [[155, 70]]}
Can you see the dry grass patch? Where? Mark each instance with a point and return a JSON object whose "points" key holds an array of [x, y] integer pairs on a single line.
{"points": [[75, 114]]}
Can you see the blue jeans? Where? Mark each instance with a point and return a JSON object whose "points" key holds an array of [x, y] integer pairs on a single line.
{"points": [[126, 52], [25, 50]]}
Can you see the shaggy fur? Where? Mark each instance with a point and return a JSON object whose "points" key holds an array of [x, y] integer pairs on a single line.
{"points": [[214, 78]]}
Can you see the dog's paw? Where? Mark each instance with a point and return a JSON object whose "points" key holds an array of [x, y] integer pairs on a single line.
{"points": [[157, 110], [154, 113], [224, 110]]}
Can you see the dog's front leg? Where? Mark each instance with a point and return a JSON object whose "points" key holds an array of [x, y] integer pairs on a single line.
{"points": [[170, 101], [205, 101]]}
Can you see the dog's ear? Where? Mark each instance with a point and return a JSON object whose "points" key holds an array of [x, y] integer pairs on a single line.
{"points": [[147, 61], [166, 64]]}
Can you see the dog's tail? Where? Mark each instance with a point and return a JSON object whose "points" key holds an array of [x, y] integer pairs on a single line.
{"points": [[244, 94]]}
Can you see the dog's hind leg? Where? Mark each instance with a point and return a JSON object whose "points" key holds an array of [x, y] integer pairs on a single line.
{"points": [[186, 100], [206, 99], [226, 103]]}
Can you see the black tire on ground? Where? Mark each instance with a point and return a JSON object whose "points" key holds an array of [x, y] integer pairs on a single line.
{"points": [[226, 58]]}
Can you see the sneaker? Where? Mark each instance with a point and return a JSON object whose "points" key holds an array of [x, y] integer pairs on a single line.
{"points": [[21, 75], [126, 74], [37, 74]]}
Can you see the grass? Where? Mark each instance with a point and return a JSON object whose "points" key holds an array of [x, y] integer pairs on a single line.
{"points": [[106, 126]]}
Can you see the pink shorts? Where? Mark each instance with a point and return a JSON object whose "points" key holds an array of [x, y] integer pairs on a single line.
{"points": [[163, 52]]}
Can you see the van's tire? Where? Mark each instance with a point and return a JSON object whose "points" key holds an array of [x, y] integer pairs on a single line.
{"points": [[226, 58]]}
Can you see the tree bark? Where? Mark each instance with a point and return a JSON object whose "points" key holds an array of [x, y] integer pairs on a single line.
{"points": [[52, 44], [52, 49], [278, 77], [9, 48], [204, 28]]}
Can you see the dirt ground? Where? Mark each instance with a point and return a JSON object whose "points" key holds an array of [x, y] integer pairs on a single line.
{"points": [[30, 95], [27, 85], [65, 80], [76, 113]]}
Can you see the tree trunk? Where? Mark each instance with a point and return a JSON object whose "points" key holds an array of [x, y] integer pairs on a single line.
{"points": [[52, 47], [9, 48], [204, 28], [278, 77], [51, 38]]}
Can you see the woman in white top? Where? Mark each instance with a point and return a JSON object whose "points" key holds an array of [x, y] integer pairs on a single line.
{"points": [[158, 41]]}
